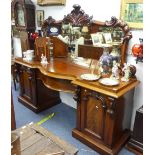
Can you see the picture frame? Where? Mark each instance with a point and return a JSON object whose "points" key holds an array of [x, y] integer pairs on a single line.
{"points": [[107, 37], [96, 39], [51, 2], [132, 13], [40, 17]]}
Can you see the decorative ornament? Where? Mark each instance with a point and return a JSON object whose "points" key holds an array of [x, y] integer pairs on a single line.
{"points": [[34, 35], [106, 61], [115, 71], [43, 59], [137, 51], [126, 71]]}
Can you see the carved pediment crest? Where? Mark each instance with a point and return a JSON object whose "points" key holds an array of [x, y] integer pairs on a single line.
{"points": [[77, 17]]}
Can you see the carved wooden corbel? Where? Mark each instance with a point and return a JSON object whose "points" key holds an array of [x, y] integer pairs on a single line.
{"points": [[31, 73], [111, 106], [76, 96]]}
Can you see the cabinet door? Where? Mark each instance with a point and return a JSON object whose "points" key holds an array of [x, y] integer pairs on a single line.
{"points": [[93, 114], [28, 84]]}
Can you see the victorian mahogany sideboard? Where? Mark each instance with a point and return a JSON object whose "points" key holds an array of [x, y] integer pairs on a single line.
{"points": [[103, 113]]}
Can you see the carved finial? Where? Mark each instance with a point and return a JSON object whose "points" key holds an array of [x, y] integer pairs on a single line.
{"points": [[76, 8]]}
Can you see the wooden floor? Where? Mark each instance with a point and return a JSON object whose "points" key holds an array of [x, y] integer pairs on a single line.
{"points": [[36, 140]]}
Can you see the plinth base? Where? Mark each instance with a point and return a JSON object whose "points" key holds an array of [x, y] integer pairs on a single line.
{"points": [[101, 147]]}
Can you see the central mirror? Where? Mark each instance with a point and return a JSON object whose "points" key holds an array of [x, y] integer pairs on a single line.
{"points": [[85, 37]]}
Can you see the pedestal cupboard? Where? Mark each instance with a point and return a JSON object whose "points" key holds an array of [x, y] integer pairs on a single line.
{"points": [[101, 120], [33, 92]]}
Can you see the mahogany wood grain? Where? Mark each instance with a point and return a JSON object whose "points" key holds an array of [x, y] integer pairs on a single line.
{"points": [[90, 51], [64, 68], [33, 93], [42, 47], [101, 147], [55, 83], [101, 109], [60, 49]]}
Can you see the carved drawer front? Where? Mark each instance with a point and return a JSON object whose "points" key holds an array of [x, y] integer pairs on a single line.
{"points": [[93, 114], [27, 83]]}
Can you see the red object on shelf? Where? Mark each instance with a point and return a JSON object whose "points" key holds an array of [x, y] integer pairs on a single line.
{"points": [[137, 50], [34, 35]]}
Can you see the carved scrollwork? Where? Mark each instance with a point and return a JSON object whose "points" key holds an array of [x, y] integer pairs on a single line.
{"points": [[21, 69], [127, 37], [16, 68], [95, 95], [77, 17], [31, 72], [118, 24], [114, 22], [111, 106], [76, 96]]}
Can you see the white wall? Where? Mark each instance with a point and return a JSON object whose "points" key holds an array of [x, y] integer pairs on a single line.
{"points": [[101, 10]]}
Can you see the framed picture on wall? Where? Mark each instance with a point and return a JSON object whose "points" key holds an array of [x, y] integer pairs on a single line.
{"points": [[51, 2], [132, 13], [40, 17]]}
